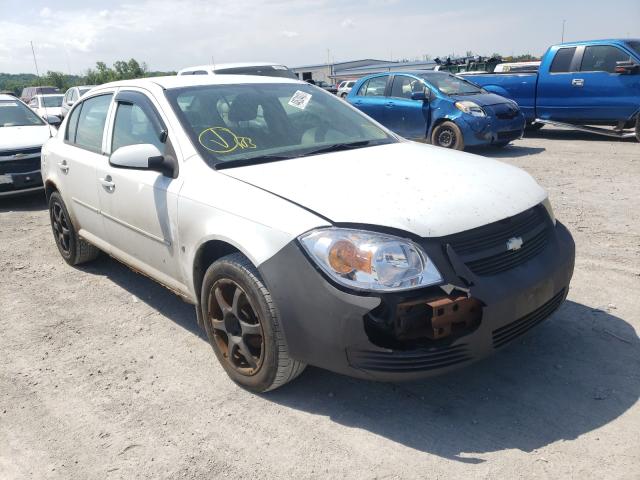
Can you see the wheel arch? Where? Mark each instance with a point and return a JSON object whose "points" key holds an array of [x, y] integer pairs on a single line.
{"points": [[49, 188]]}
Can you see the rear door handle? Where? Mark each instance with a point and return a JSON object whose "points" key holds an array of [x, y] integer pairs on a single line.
{"points": [[107, 183], [63, 166], [577, 82]]}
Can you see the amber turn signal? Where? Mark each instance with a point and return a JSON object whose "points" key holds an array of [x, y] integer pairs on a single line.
{"points": [[345, 257]]}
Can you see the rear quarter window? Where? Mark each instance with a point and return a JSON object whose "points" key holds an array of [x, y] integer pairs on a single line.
{"points": [[562, 61]]}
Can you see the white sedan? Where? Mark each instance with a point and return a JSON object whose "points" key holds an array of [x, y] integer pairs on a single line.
{"points": [[303, 231]]}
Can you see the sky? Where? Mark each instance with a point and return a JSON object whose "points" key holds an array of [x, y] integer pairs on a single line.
{"points": [[71, 35]]}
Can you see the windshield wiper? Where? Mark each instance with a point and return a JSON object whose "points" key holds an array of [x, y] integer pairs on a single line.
{"points": [[337, 147], [250, 161]]}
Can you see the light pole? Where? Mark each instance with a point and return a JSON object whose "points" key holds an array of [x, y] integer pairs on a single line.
{"points": [[563, 23]]}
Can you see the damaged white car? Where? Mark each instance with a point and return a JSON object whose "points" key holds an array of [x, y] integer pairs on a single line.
{"points": [[303, 231]]}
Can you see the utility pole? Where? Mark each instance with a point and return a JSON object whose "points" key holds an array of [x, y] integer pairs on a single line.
{"points": [[563, 23]]}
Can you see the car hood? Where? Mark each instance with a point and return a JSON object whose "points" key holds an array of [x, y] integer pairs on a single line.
{"points": [[12, 138], [428, 191], [482, 99]]}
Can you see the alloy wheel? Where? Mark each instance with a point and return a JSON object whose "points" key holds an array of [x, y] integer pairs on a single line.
{"points": [[61, 228], [237, 328]]}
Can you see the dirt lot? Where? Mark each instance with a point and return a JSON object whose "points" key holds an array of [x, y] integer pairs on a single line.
{"points": [[104, 374]]}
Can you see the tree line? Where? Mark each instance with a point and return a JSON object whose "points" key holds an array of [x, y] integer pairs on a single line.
{"points": [[102, 73]]}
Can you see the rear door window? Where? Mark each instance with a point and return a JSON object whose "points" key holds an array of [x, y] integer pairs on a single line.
{"points": [[562, 61], [91, 122], [602, 58]]}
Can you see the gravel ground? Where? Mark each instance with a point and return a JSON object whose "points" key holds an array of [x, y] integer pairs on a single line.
{"points": [[104, 374]]}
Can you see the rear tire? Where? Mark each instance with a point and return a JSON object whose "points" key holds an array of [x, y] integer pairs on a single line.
{"points": [[638, 128], [74, 250], [243, 326], [448, 135]]}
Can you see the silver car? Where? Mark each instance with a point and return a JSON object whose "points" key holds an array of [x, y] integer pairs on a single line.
{"points": [[303, 231]]}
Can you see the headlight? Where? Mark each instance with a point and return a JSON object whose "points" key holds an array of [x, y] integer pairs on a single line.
{"points": [[470, 108], [547, 205], [370, 261]]}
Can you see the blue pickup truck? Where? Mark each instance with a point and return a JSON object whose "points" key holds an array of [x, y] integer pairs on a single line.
{"points": [[585, 85]]}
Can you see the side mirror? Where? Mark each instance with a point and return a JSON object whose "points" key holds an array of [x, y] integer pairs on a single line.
{"points": [[418, 96], [53, 120], [627, 67], [143, 155], [69, 103]]}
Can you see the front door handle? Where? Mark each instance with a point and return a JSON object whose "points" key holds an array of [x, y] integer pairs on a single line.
{"points": [[108, 184], [577, 82], [63, 166], [389, 104]]}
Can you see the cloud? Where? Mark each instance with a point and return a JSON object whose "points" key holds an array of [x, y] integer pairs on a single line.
{"points": [[45, 12], [289, 34], [347, 23]]}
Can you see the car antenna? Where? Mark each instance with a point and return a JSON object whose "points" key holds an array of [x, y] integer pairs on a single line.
{"points": [[44, 104]]}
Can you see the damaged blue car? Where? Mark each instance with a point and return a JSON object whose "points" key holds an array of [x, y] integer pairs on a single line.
{"points": [[439, 108]]}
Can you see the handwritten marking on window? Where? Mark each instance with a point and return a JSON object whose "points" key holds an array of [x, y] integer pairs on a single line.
{"points": [[223, 140]]}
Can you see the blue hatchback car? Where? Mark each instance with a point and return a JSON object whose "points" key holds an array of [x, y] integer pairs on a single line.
{"points": [[439, 108]]}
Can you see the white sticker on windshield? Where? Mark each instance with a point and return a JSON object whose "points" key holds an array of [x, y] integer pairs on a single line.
{"points": [[8, 104], [300, 99]]}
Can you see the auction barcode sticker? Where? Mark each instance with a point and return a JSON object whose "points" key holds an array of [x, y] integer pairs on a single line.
{"points": [[300, 99]]}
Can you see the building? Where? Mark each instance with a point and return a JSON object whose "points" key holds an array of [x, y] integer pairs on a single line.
{"points": [[353, 73], [326, 71]]}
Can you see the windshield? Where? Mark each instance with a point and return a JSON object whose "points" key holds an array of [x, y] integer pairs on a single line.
{"points": [[53, 101], [635, 46], [15, 114], [264, 71], [450, 84], [234, 125]]}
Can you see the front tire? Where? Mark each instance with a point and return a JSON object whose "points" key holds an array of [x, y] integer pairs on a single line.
{"points": [[74, 250], [448, 135], [243, 326], [638, 128]]}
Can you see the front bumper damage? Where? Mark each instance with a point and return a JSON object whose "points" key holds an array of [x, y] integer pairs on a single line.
{"points": [[405, 336]]}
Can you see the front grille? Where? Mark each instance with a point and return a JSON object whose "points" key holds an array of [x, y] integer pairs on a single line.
{"points": [[506, 334], [24, 151], [505, 111], [409, 361], [485, 249], [20, 166]]}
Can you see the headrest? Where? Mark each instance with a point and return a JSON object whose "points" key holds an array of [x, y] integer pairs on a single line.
{"points": [[244, 107]]}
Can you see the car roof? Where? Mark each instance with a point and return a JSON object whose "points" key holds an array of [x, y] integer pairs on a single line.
{"points": [[222, 66], [5, 97], [178, 81], [50, 95]]}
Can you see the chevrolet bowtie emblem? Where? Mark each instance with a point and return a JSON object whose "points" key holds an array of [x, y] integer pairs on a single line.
{"points": [[514, 243], [18, 155]]}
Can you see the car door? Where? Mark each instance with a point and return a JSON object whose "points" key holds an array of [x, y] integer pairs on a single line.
{"points": [[407, 117], [76, 160], [139, 206], [371, 98], [598, 92], [556, 87]]}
